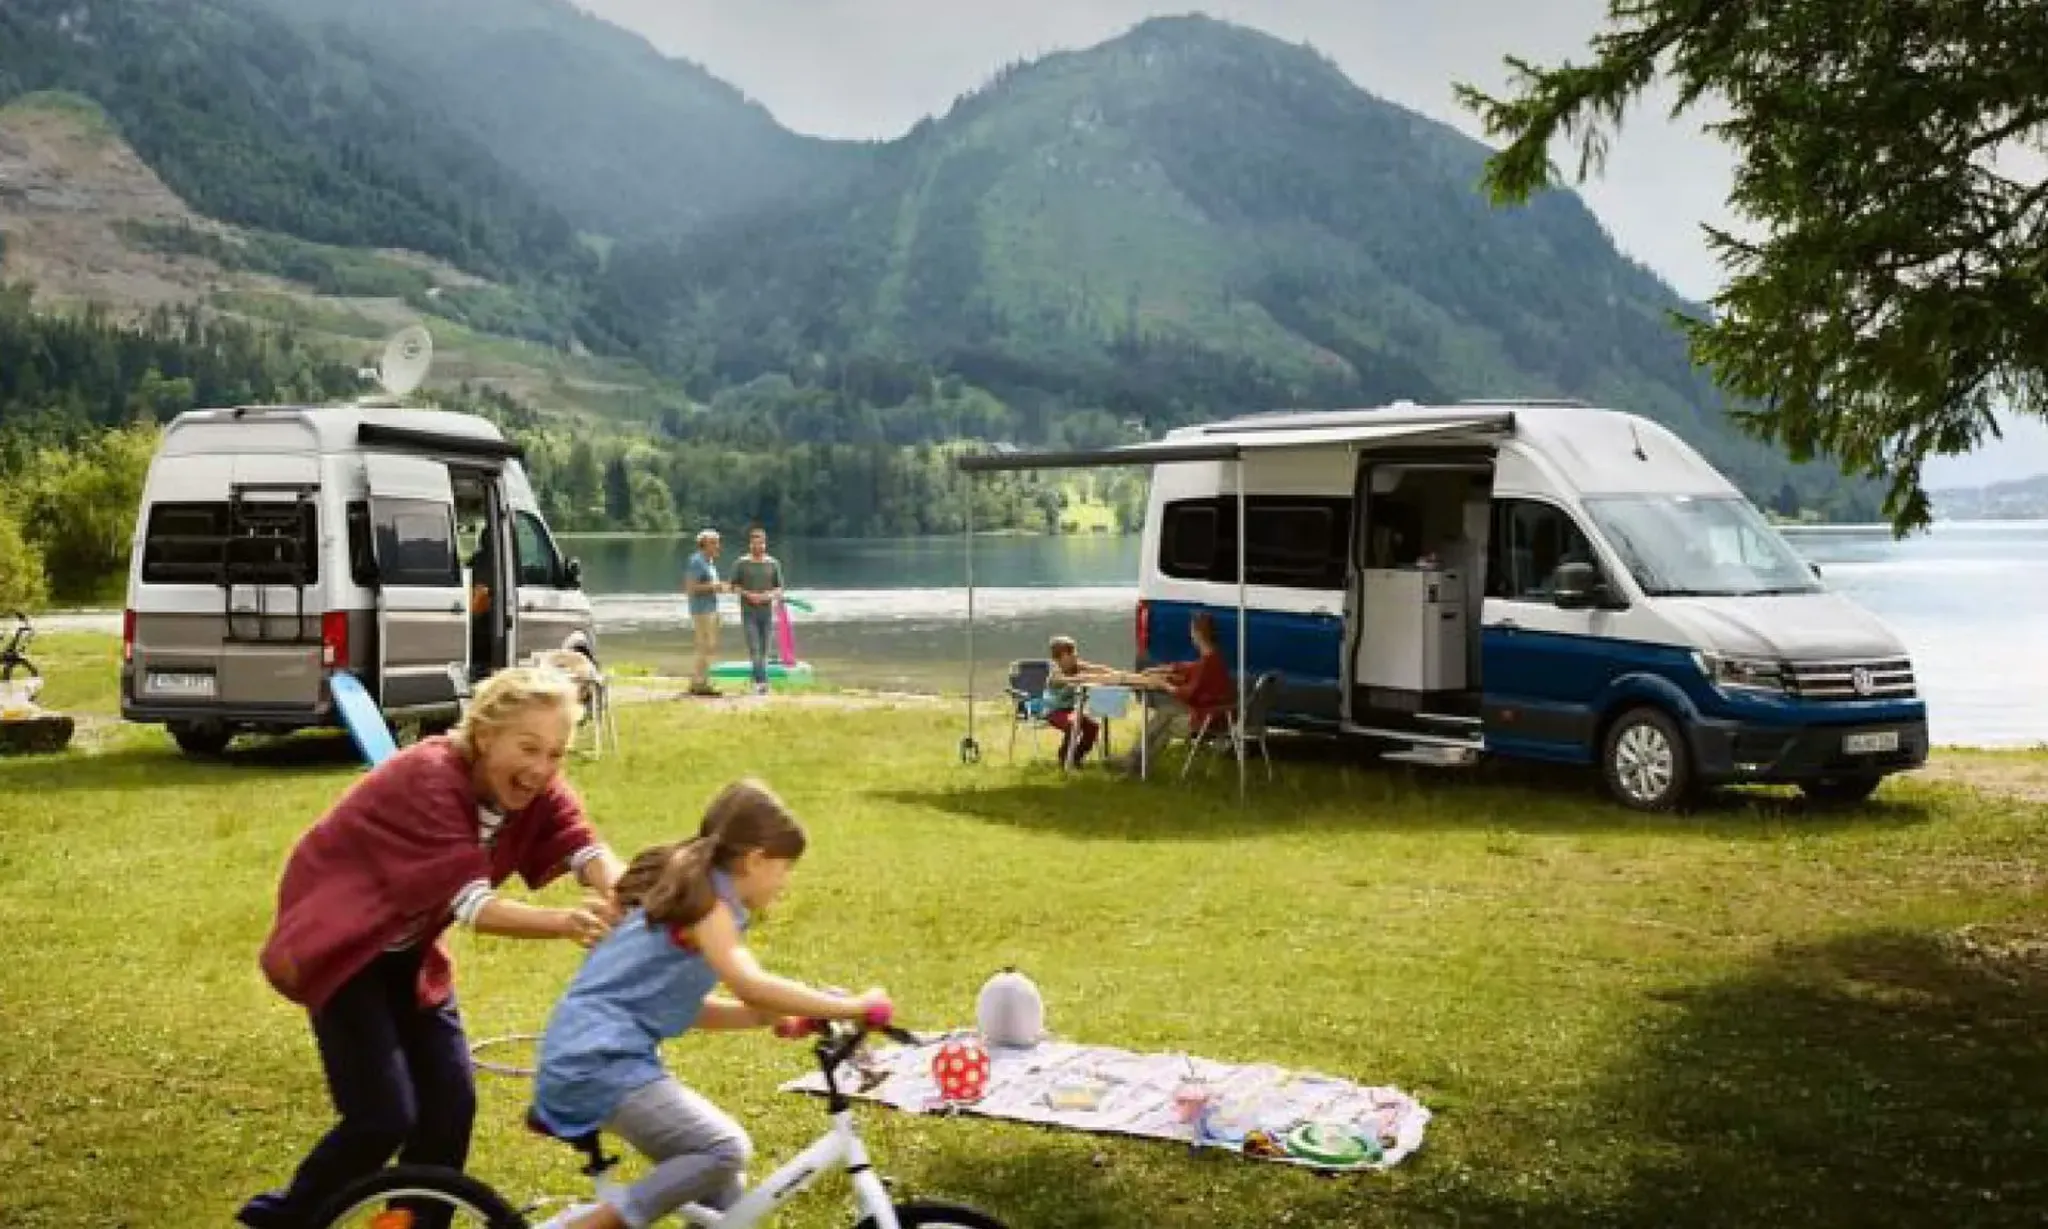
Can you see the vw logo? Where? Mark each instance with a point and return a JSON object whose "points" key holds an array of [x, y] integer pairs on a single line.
{"points": [[1860, 679]]}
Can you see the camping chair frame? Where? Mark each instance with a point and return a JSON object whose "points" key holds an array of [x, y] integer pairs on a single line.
{"points": [[1025, 686], [1235, 735]]}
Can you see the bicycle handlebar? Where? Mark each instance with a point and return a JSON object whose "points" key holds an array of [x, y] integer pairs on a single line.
{"points": [[839, 1040]]}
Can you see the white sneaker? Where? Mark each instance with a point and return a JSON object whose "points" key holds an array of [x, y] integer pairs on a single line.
{"points": [[760, 689], [568, 1216]]}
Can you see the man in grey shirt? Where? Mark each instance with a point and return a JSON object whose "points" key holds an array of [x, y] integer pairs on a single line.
{"points": [[701, 583], [757, 578]]}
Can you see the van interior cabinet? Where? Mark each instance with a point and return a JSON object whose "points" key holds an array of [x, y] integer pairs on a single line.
{"points": [[1413, 631]]}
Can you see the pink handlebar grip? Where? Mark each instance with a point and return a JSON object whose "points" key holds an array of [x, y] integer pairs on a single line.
{"points": [[880, 1014]]}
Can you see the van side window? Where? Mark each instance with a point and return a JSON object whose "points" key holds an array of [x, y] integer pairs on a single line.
{"points": [[1530, 540], [416, 543], [1294, 541], [1187, 539], [539, 566], [187, 543]]}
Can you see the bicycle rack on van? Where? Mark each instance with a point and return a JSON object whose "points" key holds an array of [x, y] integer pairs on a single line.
{"points": [[265, 546]]}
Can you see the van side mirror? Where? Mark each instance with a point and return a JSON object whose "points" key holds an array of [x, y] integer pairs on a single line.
{"points": [[1816, 570], [572, 571], [1576, 586]]}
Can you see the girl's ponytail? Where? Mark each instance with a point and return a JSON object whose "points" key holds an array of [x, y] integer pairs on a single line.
{"points": [[672, 883], [682, 895]]}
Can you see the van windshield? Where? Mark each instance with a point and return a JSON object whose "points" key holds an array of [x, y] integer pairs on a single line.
{"points": [[1700, 546]]}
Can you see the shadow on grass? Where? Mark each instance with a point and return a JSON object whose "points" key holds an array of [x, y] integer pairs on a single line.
{"points": [[1884, 1079], [141, 761], [1881, 1079], [1326, 782]]}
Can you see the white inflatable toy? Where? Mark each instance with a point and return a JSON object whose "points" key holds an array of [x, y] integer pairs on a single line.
{"points": [[1010, 1012]]}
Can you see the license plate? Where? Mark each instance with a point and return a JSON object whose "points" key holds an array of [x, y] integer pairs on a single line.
{"points": [[181, 683], [1874, 743]]}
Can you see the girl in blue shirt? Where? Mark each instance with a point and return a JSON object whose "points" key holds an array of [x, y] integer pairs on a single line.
{"points": [[684, 910]]}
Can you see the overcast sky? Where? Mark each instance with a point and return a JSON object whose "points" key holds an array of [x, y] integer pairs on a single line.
{"points": [[872, 68]]}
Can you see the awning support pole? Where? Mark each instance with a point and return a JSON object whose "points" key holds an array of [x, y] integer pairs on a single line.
{"points": [[1243, 672], [970, 750]]}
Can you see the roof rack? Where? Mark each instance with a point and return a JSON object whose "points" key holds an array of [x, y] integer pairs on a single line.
{"points": [[1567, 402]]}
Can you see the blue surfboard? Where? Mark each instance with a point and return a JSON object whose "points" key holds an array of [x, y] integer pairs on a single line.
{"points": [[365, 721]]}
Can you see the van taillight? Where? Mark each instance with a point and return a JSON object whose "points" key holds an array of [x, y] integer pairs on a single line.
{"points": [[334, 639], [1144, 629], [128, 635]]}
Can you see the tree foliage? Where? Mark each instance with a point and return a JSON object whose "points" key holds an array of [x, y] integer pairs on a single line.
{"points": [[1895, 291]]}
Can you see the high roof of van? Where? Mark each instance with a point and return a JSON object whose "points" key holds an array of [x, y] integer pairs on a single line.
{"points": [[332, 428], [1598, 450]]}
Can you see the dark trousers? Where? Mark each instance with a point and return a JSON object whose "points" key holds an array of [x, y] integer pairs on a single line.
{"points": [[401, 1080], [1065, 720], [759, 624]]}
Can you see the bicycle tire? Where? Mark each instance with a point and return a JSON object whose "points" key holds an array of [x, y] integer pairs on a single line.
{"points": [[937, 1216], [451, 1187]]}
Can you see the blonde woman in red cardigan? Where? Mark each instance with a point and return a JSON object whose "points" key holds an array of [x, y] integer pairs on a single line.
{"points": [[420, 843]]}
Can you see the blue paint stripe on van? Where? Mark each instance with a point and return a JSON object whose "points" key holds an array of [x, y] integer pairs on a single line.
{"points": [[1544, 692]]}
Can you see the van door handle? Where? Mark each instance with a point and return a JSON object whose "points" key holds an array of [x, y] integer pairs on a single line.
{"points": [[455, 608], [1509, 624]]}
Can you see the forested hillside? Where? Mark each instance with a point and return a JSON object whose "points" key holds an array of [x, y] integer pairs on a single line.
{"points": [[81, 397], [622, 140], [1188, 221], [250, 122]]}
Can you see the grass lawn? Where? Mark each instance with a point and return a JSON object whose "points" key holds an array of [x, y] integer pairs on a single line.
{"points": [[1755, 1015]]}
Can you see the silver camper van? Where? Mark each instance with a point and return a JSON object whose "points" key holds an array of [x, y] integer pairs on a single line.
{"points": [[277, 545]]}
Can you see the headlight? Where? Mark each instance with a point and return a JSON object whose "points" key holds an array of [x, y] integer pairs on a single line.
{"points": [[1741, 673]]}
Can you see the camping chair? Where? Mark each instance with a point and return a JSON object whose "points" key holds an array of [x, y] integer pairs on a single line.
{"points": [[593, 691], [1256, 707], [1026, 689]]}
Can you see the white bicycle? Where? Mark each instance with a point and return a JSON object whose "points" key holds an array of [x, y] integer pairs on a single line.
{"points": [[434, 1197]]}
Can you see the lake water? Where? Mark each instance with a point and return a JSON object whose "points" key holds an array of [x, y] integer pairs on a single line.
{"points": [[1968, 599]]}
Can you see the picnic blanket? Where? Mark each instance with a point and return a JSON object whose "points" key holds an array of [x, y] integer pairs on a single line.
{"points": [[1112, 1091]]}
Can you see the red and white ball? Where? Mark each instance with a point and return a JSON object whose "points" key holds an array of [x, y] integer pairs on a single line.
{"points": [[961, 1069]]}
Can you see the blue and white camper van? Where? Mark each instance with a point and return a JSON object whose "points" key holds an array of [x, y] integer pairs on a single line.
{"points": [[1539, 580]]}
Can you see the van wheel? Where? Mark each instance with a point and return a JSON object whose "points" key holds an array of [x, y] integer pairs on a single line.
{"points": [[1839, 791], [1646, 762], [204, 739]]}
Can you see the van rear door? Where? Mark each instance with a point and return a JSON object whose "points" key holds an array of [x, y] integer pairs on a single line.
{"points": [[422, 617], [225, 597]]}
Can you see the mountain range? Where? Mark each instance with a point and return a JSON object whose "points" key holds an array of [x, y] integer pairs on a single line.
{"points": [[1186, 221]]}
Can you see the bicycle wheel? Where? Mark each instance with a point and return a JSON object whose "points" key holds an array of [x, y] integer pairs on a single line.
{"points": [[937, 1216], [419, 1197]]}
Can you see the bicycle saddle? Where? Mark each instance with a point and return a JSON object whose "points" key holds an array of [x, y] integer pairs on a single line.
{"points": [[590, 1144]]}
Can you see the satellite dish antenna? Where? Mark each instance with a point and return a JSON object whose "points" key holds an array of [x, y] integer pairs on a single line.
{"points": [[403, 365]]}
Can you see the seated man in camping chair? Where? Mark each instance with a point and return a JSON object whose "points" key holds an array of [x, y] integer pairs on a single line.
{"points": [[1204, 696]]}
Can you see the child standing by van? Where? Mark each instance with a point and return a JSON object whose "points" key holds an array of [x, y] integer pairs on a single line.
{"points": [[686, 909]]}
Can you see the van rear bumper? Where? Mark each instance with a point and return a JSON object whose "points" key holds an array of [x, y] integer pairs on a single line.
{"points": [[292, 716], [1733, 751]]}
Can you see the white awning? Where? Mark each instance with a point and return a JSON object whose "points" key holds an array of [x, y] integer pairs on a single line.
{"points": [[1233, 443]]}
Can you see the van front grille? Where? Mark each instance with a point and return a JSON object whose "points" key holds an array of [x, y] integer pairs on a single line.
{"points": [[1888, 678]]}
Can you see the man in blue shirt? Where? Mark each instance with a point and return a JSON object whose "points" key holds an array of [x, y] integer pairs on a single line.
{"points": [[701, 583]]}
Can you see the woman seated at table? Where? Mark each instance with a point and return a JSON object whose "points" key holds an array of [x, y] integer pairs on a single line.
{"points": [[1063, 696], [1203, 693]]}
